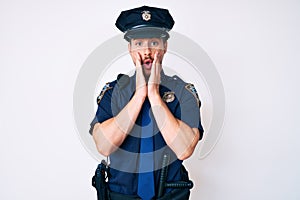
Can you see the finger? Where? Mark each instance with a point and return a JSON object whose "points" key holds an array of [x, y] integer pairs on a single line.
{"points": [[138, 59], [157, 63], [153, 69], [155, 57], [139, 68]]}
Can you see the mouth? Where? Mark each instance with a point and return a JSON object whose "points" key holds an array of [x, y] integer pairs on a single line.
{"points": [[147, 64]]}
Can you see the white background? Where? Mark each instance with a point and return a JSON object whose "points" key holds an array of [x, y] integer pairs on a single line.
{"points": [[255, 46]]}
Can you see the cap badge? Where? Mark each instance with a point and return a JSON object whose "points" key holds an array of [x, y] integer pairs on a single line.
{"points": [[146, 15], [169, 97]]}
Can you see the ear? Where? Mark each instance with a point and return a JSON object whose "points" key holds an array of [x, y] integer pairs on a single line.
{"points": [[130, 52], [129, 46], [129, 49]]}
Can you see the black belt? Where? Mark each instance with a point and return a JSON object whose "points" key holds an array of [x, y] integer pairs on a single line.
{"points": [[119, 196], [176, 194]]}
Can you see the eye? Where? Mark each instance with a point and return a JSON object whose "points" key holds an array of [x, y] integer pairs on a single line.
{"points": [[138, 44], [154, 43]]}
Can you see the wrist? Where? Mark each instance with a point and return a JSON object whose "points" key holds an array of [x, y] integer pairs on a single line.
{"points": [[139, 98], [153, 91], [155, 99]]}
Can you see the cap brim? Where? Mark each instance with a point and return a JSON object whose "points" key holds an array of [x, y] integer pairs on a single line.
{"points": [[146, 32]]}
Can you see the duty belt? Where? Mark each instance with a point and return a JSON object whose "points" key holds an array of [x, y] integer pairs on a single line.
{"points": [[181, 188]]}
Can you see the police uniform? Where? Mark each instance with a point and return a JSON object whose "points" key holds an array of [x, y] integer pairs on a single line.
{"points": [[180, 97]]}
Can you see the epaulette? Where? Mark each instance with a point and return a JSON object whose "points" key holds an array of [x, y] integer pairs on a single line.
{"points": [[122, 80], [176, 78]]}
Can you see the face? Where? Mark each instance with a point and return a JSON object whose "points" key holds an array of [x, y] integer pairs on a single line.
{"points": [[146, 49]]}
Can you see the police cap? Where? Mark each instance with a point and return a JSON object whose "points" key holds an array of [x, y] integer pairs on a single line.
{"points": [[145, 22]]}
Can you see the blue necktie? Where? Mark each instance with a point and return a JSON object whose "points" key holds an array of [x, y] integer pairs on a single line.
{"points": [[146, 175]]}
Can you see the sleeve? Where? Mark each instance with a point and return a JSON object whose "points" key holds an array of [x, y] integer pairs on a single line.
{"points": [[190, 108], [105, 110]]}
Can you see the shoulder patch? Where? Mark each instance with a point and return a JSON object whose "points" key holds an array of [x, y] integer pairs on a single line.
{"points": [[191, 88], [104, 89]]}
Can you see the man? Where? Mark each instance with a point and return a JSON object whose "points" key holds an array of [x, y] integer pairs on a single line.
{"points": [[143, 118]]}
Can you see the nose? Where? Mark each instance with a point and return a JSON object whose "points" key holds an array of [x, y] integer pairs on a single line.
{"points": [[147, 51]]}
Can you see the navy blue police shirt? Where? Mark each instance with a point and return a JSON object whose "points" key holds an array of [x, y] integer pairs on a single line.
{"points": [[181, 99]]}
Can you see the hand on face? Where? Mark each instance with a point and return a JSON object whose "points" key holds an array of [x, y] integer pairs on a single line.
{"points": [[147, 47], [152, 88], [147, 55], [154, 79], [141, 87]]}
